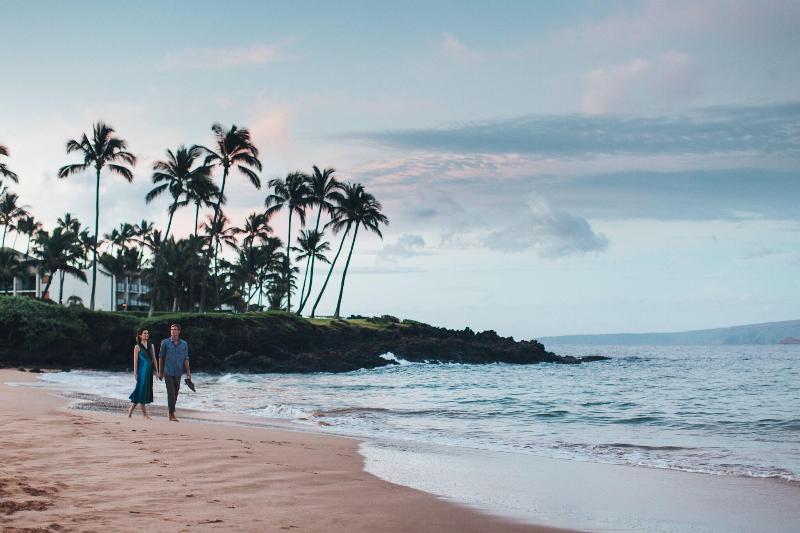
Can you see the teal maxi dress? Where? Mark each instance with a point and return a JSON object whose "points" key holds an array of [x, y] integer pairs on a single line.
{"points": [[143, 393]]}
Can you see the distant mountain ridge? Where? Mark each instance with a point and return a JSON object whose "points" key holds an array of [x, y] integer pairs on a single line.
{"points": [[767, 333]]}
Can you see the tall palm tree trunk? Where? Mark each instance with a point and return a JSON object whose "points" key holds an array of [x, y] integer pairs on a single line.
{"points": [[288, 264], [61, 289], [310, 283], [304, 297], [330, 271], [344, 274], [14, 243], [3, 244], [194, 258], [171, 215], [302, 291], [217, 210], [94, 242], [49, 281]]}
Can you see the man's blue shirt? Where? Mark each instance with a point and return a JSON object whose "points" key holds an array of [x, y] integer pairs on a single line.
{"points": [[174, 355]]}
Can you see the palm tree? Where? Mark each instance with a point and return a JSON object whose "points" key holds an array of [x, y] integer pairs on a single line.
{"points": [[244, 272], [143, 230], [270, 266], [294, 194], [219, 232], [113, 264], [69, 222], [233, 147], [5, 172], [122, 236], [103, 150], [354, 208], [28, 226], [322, 184], [202, 192], [87, 245], [311, 247], [10, 212], [173, 259], [127, 260], [55, 252], [358, 209], [174, 175], [195, 251], [10, 268], [256, 227]]}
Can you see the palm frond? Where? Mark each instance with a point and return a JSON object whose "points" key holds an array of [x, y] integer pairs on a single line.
{"points": [[254, 179], [68, 170], [155, 193], [125, 172]]}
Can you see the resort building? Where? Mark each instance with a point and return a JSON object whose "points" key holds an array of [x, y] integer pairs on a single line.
{"points": [[111, 294], [129, 293]]}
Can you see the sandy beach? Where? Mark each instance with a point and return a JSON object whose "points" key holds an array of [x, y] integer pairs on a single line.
{"points": [[80, 470]]}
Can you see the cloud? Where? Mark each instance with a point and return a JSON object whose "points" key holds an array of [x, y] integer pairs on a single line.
{"points": [[455, 50], [551, 232], [607, 87], [405, 247], [272, 130], [220, 58], [640, 82], [766, 129]]}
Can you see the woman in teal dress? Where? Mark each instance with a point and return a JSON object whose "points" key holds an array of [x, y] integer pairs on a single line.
{"points": [[144, 361]]}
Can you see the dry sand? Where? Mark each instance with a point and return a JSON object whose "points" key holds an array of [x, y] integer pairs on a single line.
{"points": [[77, 470]]}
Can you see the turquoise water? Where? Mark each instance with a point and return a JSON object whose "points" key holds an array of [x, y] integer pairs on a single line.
{"points": [[726, 410]]}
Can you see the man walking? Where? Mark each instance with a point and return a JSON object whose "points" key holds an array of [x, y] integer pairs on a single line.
{"points": [[173, 358]]}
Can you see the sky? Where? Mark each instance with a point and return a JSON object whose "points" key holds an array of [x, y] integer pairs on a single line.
{"points": [[547, 168]]}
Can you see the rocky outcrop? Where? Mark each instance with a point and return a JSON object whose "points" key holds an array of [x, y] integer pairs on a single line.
{"points": [[38, 334]]}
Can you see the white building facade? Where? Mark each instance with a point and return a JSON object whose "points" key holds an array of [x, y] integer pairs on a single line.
{"points": [[111, 294]]}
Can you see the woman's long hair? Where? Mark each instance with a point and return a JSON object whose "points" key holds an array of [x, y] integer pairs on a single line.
{"points": [[139, 334]]}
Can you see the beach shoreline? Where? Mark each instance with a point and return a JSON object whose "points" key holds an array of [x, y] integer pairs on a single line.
{"points": [[505, 491], [76, 469]]}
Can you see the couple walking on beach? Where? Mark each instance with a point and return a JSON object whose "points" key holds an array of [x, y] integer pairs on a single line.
{"points": [[173, 359]]}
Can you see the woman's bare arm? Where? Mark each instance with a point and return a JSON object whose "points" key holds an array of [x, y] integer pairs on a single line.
{"points": [[135, 360]]}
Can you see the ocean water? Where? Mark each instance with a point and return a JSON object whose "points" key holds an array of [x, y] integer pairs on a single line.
{"points": [[722, 410], [727, 410]]}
